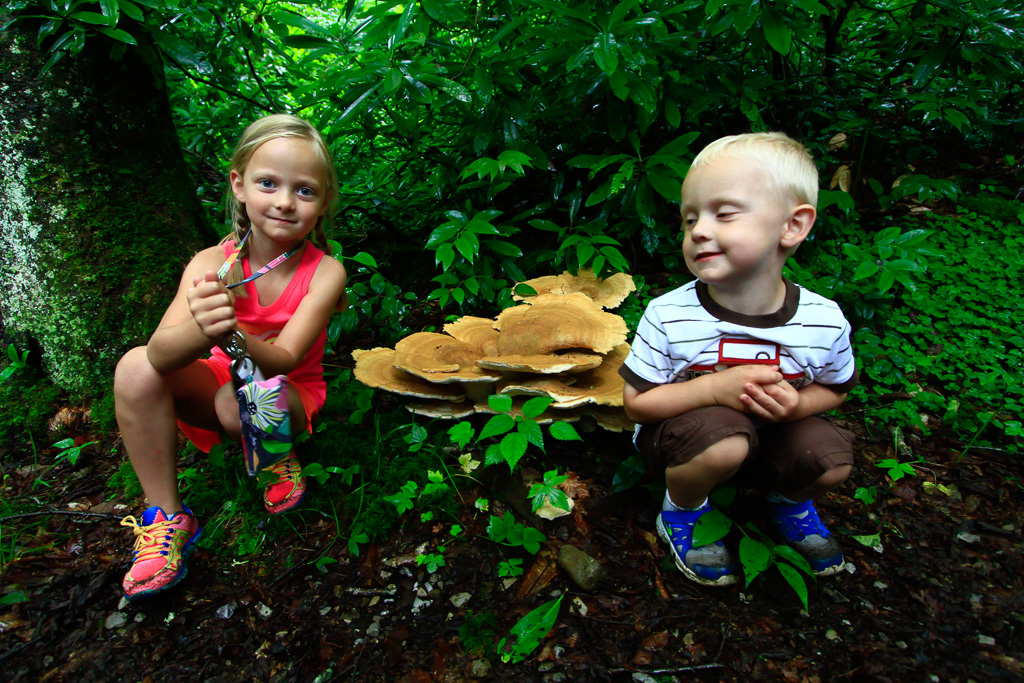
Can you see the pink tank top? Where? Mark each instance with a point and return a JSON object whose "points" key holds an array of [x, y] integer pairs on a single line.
{"points": [[266, 322]]}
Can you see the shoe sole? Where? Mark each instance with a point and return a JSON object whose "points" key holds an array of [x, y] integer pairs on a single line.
{"points": [[185, 553], [726, 580], [278, 510]]}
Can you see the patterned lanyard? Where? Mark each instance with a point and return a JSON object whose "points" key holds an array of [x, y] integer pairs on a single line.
{"points": [[233, 256]]}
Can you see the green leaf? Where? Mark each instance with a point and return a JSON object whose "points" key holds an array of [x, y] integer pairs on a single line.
{"points": [[865, 269], [302, 41], [92, 18], [629, 472], [130, 9], [606, 53], [794, 579], [500, 403], [523, 289], [532, 431], [712, 526], [13, 598], [755, 557], [679, 146], [498, 424], [513, 448], [535, 406], [119, 35], [563, 431], [776, 31], [531, 629], [796, 559]]}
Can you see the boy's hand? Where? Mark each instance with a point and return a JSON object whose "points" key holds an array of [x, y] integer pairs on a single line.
{"points": [[770, 402], [211, 306], [729, 387]]}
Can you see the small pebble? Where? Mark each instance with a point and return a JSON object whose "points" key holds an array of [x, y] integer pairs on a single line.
{"points": [[124, 603], [373, 630], [263, 610], [139, 618], [116, 620], [460, 599], [546, 666], [227, 611], [986, 640], [584, 570], [831, 634], [480, 668], [967, 537]]}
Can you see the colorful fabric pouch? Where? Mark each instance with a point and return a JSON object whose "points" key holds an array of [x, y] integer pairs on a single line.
{"points": [[266, 424]]}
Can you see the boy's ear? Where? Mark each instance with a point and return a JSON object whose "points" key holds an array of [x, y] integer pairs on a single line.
{"points": [[237, 186], [798, 227]]}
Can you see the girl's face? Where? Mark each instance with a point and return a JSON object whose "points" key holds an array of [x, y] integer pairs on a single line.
{"points": [[284, 189]]}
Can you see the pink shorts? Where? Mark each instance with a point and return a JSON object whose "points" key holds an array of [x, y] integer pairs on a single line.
{"points": [[204, 439]]}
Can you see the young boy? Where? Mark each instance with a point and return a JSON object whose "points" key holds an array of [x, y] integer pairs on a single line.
{"points": [[728, 372]]}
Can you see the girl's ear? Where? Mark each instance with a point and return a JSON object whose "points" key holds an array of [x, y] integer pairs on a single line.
{"points": [[237, 185], [798, 227]]}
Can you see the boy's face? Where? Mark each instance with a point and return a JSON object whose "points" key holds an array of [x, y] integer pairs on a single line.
{"points": [[733, 223]]}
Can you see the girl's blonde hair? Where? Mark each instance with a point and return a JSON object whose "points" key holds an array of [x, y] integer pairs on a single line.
{"points": [[258, 132], [787, 164]]}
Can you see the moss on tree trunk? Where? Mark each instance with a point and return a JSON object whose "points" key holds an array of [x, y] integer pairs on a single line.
{"points": [[97, 211]]}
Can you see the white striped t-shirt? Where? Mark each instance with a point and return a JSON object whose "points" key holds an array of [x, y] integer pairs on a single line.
{"points": [[685, 334]]}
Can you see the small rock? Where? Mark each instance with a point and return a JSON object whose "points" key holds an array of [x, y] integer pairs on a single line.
{"points": [[418, 604], [546, 666], [124, 603], [901, 644], [831, 634], [986, 640], [116, 620], [325, 610], [139, 618], [880, 585], [373, 630], [555, 678], [480, 668], [584, 570], [227, 611], [263, 610], [968, 537], [581, 607], [460, 599], [643, 678]]}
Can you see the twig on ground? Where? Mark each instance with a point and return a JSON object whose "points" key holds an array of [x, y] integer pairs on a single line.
{"points": [[678, 670], [69, 513]]}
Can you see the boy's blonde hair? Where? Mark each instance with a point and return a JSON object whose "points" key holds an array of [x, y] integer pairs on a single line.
{"points": [[786, 163], [258, 132]]}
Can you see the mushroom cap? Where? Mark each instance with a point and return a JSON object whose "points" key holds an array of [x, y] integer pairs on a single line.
{"points": [[606, 293], [544, 364], [440, 358], [478, 332], [554, 322], [611, 418], [375, 368], [602, 385], [444, 411]]}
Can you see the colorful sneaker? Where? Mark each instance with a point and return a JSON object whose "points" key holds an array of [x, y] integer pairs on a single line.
{"points": [[162, 546], [287, 492], [804, 531], [710, 565]]}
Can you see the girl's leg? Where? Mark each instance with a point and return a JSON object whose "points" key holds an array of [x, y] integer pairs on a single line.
{"points": [[147, 405]]}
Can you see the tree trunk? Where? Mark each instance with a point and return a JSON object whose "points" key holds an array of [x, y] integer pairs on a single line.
{"points": [[97, 210]]}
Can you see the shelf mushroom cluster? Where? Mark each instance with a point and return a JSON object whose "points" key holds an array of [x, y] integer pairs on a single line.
{"points": [[558, 343]]}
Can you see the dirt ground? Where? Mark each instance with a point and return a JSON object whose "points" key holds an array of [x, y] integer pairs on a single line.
{"points": [[942, 599]]}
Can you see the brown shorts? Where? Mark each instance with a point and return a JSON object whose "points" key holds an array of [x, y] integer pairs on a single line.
{"points": [[787, 455]]}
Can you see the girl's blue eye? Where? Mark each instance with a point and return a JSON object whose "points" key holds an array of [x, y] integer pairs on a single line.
{"points": [[265, 183], [306, 192]]}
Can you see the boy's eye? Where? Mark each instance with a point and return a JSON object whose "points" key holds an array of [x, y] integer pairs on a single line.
{"points": [[725, 214], [689, 222]]}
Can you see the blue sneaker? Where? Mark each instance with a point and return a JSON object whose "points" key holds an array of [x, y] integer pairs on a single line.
{"points": [[709, 565], [803, 530]]}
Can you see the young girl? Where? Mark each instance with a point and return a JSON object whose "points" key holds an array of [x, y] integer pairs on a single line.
{"points": [[283, 183]]}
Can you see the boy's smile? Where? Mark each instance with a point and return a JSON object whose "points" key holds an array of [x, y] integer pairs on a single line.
{"points": [[734, 222]]}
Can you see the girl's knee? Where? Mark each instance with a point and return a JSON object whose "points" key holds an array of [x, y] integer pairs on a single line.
{"points": [[226, 406], [134, 376]]}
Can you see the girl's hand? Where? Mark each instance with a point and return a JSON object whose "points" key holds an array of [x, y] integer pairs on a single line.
{"points": [[211, 306], [771, 402]]}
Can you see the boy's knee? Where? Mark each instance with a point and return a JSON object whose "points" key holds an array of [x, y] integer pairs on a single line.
{"points": [[726, 455], [833, 477]]}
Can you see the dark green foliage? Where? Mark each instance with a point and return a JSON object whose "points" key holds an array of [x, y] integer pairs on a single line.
{"points": [[29, 401]]}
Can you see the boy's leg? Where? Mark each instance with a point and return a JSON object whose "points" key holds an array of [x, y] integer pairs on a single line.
{"points": [[698, 451], [804, 460]]}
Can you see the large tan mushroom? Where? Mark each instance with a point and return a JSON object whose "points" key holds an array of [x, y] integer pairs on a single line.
{"points": [[544, 364], [601, 386], [478, 332], [441, 358], [556, 322], [375, 368], [606, 293]]}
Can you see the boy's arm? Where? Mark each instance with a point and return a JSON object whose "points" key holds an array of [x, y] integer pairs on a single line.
{"points": [[780, 402], [724, 388]]}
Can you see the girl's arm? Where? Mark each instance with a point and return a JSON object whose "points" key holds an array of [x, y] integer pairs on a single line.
{"points": [[180, 337], [310, 318]]}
